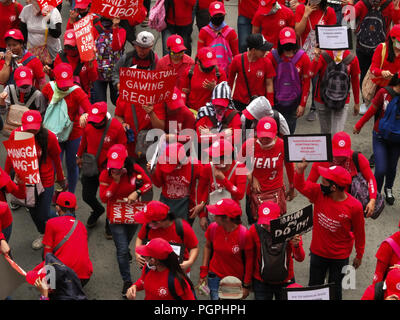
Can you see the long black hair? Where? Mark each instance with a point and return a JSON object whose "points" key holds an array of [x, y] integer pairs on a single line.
{"points": [[390, 50], [129, 166], [42, 139], [287, 47], [395, 81], [323, 5]]}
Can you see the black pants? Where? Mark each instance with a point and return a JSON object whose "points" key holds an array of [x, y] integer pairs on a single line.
{"points": [[364, 60], [90, 185], [240, 106]]}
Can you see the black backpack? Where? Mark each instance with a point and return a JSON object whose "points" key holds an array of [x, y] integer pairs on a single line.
{"points": [[372, 30], [273, 264], [335, 84]]}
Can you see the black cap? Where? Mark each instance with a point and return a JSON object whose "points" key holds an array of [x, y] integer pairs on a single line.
{"points": [[258, 42]]}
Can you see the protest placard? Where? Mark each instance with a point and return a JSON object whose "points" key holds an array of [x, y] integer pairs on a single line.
{"points": [[11, 276], [323, 292], [123, 213], [145, 87], [23, 155], [333, 37], [288, 225], [122, 9], [311, 147], [84, 38]]}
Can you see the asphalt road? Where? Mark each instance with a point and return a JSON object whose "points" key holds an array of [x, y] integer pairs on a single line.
{"points": [[106, 282]]}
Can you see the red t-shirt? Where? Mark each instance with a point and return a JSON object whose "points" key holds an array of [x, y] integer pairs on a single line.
{"points": [[205, 39], [369, 293], [227, 259], [376, 68], [155, 285], [9, 19], [8, 186], [303, 67], [248, 8], [386, 258], [115, 135], [336, 224], [75, 252], [256, 72], [76, 100], [5, 217], [181, 12], [271, 25], [166, 64], [179, 120]]}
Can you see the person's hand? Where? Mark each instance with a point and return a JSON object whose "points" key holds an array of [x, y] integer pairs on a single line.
{"points": [[290, 194], [185, 265], [309, 9], [4, 247], [203, 223], [3, 95], [301, 167], [116, 22], [317, 53], [356, 109], [210, 85], [256, 187], [133, 197], [140, 260], [219, 174], [356, 263], [355, 130], [369, 209], [293, 5], [386, 74], [148, 108], [73, 15], [246, 293], [126, 126], [228, 132], [196, 210], [42, 286], [300, 111], [79, 162], [83, 120], [148, 165], [63, 184], [8, 57], [204, 130], [295, 241], [131, 293], [47, 69], [392, 297]]}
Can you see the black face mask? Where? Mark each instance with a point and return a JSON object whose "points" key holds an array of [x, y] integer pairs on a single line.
{"points": [[207, 70], [217, 21], [326, 190], [101, 124], [106, 23]]}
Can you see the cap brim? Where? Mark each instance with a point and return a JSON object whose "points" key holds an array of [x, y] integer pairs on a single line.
{"points": [[178, 48], [213, 209], [220, 102], [247, 114], [267, 46], [115, 164], [65, 83], [96, 118], [288, 40], [209, 63], [143, 251], [217, 11], [23, 82], [141, 45], [263, 134], [230, 296], [325, 173], [70, 42], [140, 217], [341, 152], [31, 126], [265, 220]]}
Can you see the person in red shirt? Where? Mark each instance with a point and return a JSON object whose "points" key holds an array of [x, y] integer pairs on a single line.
{"points": [[9, 19], [200, 79], [159, 221], [176, 59], [80, 10], [270, 19], [259, 72], [101, 128], [338, 222], [161, 264], [266, 153], [16, 56], [78, 105], [246, 11], [288, 50], [202, 13], [388, 289], [5, 227], [216, 29], [9, 186], [48, 151], [264, 290], [228, 250], [123, 181]]}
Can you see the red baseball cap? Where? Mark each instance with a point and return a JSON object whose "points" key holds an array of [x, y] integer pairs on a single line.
{"points": [[15, 34], [116, 156], [220, 148], [268, 211], [175, 43], [341, 144], [82, 4], [395, 32], [393, 282], [23, 76], [337, 174], [287, 35], [216, 7], [66, 200], [69, 38], [225, 207], [178, 100], [153, 211], [173, 155], [266, 128], [31, 120], [33, 275], [207, 57], [247, 114], [266, 5], [157, 248], [223, 102], [63, 75], [98, 112]]}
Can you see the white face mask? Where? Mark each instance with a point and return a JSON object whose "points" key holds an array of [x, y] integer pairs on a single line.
{"points": [[153, 268]]}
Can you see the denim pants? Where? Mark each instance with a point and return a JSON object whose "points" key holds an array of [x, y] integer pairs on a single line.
{"points": [[122, 236], [184, 31], [290, 115], [320, 266], [90, 186], [7, 232], [213, 284], [265, 291], [99, 92], [41, 212], [244, 30], [70, 148], [331, 121], [386, 157]]}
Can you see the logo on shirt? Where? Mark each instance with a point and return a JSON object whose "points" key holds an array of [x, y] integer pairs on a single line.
{"points": [[162, 292], [235, 249], [260, 74], [282, 23], [13, 18]]}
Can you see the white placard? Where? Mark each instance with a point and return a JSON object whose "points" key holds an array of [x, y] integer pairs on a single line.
{"points": [[313, 148], [333, 38], [317, 294]]}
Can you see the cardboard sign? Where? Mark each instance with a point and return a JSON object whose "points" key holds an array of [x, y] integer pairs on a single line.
{"points": [[323, 292], [123, 213], [84, 38], [122, 9], [145, 87], [11, 276], [312, 147], [23, 156], [288, 225], [334, 37]]}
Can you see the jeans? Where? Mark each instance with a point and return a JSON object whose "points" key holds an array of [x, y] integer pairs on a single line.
{"points": [[213, 284], [41, 212], [289, 113], [7, 232], [90, 185], [99, 92], [184, 31], [122, 236], [386, 157], [244, 30], [364, 60], [314, 82], [265, 291], [70, 148], [249, 213], [319, 267], [331, 121]]}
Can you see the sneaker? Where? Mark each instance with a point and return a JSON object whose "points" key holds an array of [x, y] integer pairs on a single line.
{"points": [[312, 116], [371, 161], [92, 220], [389, 196], [108, 233], [125, 287], [14, 206], [363, 109], [37, 243]]}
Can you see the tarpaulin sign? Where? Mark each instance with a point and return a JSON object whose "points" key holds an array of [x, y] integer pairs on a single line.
{"points": [[46, 6], [122, 9], [23, 155], [84, 38], [145, 87], [123, 212], [11, 276]]}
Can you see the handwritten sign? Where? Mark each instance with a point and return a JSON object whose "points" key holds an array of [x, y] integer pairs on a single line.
{"points": [[123, 213], [312, 147], [84, 38], [122, 9], [333, 37], [288, 225], [144, 87]]}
